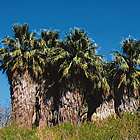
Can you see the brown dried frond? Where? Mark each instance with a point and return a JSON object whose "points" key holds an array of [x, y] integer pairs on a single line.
{"points": [[122, 79]]}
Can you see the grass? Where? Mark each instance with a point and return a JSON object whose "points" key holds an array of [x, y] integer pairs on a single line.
{"points": [[125, 126]]}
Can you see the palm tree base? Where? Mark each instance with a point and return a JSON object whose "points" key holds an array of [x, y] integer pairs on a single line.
{"points": [[123, 103], [23, 92], [104, 111]]}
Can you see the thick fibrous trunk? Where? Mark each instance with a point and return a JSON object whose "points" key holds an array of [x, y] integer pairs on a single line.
{"points": [[59, 102], [99, 108], [126, 100], [124, 103], [23, 92], [46, 99], [70, 104], [105, 110]]}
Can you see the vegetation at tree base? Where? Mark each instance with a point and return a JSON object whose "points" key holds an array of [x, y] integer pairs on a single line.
{"points": [[125, 126], [50, 79]]}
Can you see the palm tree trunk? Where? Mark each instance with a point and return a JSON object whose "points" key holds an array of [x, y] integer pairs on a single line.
{"points": [[104, 111], [71, 100], [99, 108], [125, 102], [60, 104], [23, 92], [45, 104]]}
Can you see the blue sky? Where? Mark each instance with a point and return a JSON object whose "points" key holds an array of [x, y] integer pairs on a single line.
{"points": [[108, 22]]}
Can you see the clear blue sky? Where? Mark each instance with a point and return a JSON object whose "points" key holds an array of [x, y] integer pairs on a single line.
{"points": [[108, 22]]}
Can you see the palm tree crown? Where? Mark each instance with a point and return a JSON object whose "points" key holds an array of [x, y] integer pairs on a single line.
{"points": [[75, 54], [21, 54], [125, 67]]}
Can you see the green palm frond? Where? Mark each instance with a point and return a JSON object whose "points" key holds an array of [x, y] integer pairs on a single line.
{"points": [[76, 49], [124, 70], [19, 53]]}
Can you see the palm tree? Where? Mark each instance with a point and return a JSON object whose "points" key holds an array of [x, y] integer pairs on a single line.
{"points": [[124, 72], [100, 102], [77, 65], [21, 62], [46, 82]]}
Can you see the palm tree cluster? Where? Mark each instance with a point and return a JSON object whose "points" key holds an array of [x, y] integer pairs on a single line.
{"points": [[51, 79]]}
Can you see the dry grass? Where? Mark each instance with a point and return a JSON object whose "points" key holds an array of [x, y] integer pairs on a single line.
{"points": [[124, 127]]}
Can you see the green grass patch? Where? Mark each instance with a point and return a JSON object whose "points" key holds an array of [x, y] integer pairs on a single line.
{"points": [[125, 126]]}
